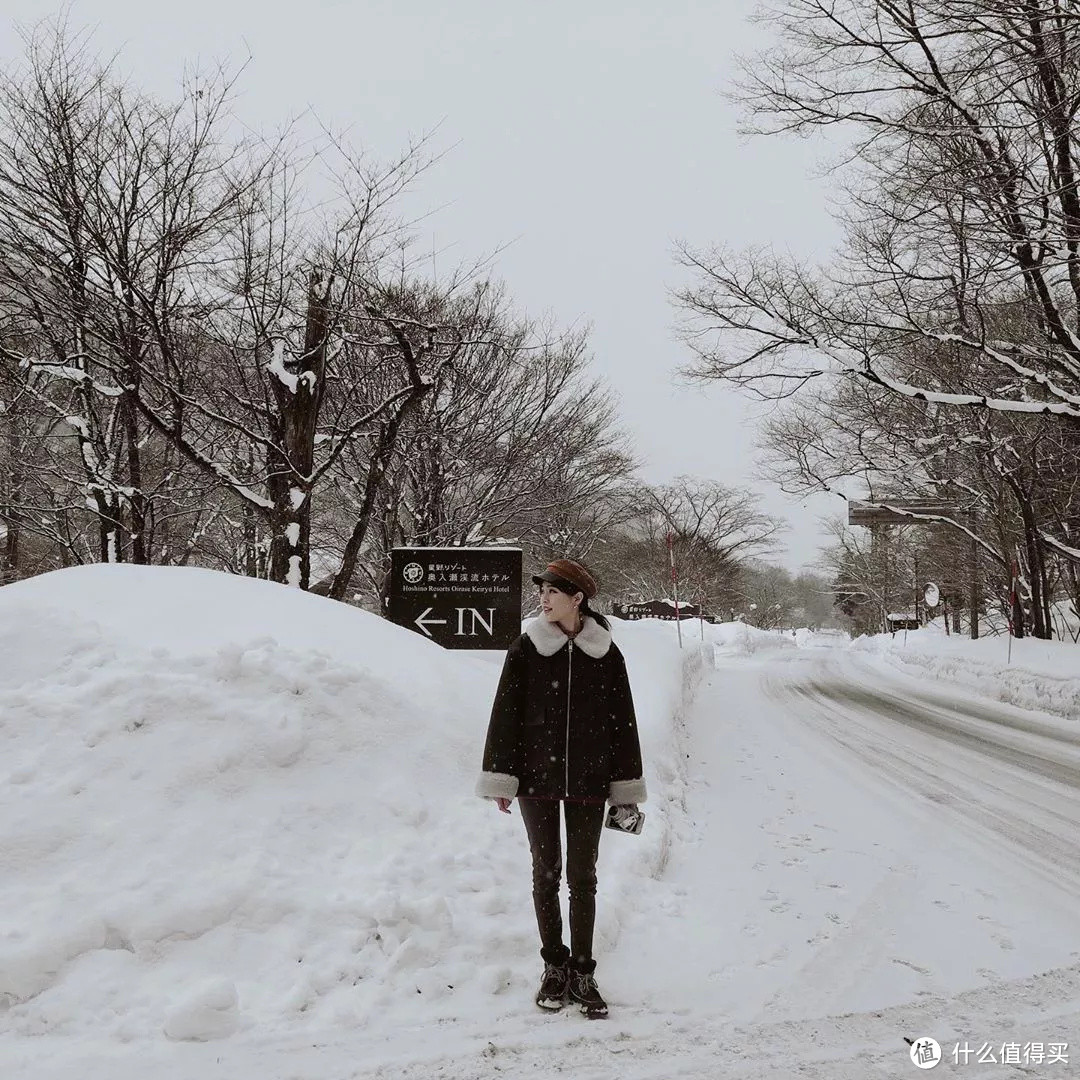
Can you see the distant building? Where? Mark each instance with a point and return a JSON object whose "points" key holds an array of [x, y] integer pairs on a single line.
{"points": [[902, 621]]}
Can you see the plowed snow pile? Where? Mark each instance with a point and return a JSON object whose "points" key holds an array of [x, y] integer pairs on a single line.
{"points": [[228, 805], [1043, 676]]}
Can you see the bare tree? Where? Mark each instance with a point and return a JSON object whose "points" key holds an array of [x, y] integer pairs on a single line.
{"points": [[188, 297], [714, 530], [212, 364], [963, 201], [109, 205]]}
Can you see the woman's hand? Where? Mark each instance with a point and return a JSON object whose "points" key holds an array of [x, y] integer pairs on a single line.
{"points": [[503, 805]]}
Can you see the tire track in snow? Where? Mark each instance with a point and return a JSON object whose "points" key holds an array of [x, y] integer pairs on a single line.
{"points": [[1004, 793]]}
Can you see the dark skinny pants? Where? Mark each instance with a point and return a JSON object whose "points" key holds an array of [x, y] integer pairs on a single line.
{"points": [[584, 823]]}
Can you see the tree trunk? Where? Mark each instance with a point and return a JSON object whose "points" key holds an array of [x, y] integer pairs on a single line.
{"points": [[137, 500], [293, 465], [110, 547], [1018, 620], [9, 564], [9, 514], [380, 460], [388, 437], [290, 533], [249, 555], [1036, 558]]}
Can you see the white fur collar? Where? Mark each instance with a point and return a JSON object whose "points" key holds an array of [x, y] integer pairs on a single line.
{"points": [[549, 638]]}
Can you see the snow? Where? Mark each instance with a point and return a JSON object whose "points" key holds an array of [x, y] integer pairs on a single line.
{"points": [[276, 367], [296, 497], [292, 533], [1042, 675], [76, 375], [868, 869], [212, 782], [243, 490], [739, 638], [1065, 620], [211, 1011], [238, 841], [295, 574]]}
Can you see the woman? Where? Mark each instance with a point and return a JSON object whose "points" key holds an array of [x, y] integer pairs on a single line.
{"points": [[563, 731]]}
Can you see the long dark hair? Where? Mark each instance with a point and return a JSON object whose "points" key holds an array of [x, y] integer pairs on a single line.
{"points": [[586, 610]]}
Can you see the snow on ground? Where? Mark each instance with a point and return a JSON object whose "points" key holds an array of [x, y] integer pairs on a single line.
{"points": [[1041, 675], [231, 807], [238, 842], [733, 638]]}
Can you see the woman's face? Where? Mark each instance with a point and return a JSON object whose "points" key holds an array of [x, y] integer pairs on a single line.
{"points": [[558, 607]]}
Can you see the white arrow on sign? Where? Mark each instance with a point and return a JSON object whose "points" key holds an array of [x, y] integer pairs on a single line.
{"points": [[422, 621]]}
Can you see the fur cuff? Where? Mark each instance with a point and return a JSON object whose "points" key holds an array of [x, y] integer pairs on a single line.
{"points": [[627, 791], [496, 785]]}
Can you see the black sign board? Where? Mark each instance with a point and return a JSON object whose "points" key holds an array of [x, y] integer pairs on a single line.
{"points": [[461, 597], [659, 609]]}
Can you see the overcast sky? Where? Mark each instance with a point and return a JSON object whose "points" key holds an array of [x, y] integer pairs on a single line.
{"points": [[581, 145]]}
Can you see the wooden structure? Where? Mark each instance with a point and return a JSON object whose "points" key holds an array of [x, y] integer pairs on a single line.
{"points": [[874, 515]]}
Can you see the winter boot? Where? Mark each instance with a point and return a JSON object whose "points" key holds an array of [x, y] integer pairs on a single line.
{"points": [[554, 987], [583, 992]]}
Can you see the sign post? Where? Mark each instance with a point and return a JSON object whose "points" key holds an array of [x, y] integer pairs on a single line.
{"points": [[460, 597]]}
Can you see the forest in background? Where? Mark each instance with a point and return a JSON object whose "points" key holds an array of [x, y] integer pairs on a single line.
{"points": [[224, 352], [935, 358]]}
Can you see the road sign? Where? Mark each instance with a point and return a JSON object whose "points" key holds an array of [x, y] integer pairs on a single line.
{"points": [[659, 609], [461, 597]]}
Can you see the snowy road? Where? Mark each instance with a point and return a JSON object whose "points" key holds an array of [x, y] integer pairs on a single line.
{"points": [[858, 858], [884, 856], [851, 858], [987, 763]]}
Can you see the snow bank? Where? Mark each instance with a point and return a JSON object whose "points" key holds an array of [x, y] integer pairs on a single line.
{"points": [[806, 638], [738, 638], [1042, 675], [228, 806]]}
